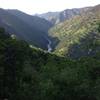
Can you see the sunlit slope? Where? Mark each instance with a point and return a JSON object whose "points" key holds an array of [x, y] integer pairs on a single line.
{"points": [[78, 36]]}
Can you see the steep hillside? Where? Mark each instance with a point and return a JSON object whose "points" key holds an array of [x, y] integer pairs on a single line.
{"points": [[52, 17], [69, 13], [78, 36], [57, 17], [26, 27], [34, 21], [27, 73]]}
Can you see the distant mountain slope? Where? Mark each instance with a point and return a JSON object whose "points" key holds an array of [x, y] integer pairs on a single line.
{"points": [[34, 21], [57, 17], [31, 29], [78, 36], [52, 17]]}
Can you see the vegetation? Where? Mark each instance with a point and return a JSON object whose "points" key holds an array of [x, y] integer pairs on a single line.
{"points": [[79, 36], [58, 17], [27, 73], [26, 27]]}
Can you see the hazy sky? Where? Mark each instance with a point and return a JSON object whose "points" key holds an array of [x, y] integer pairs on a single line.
{"points": [[41, 6]]}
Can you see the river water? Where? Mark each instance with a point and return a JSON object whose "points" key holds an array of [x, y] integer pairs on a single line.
{"points": [[49, 45]]}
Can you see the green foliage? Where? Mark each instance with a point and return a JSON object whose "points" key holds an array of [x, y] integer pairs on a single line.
{"points": [[99, 27], [78, 34], [27, 73], [2, 30]]}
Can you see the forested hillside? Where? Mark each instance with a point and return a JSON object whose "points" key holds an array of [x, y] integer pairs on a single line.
{"points": [[79, 36], [33, 30], [33, 21], [57, 17], [56, 57], [29, 73]]}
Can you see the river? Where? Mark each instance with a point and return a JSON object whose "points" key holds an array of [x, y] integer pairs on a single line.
{"points": [[49, 45]]}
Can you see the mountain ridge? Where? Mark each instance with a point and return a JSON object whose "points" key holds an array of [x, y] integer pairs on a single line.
{"points": [[60, 16], [74, 30], [33, 34]]}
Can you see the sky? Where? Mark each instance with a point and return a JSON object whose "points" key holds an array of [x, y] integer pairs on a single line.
{"points": [[43, 6]]}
